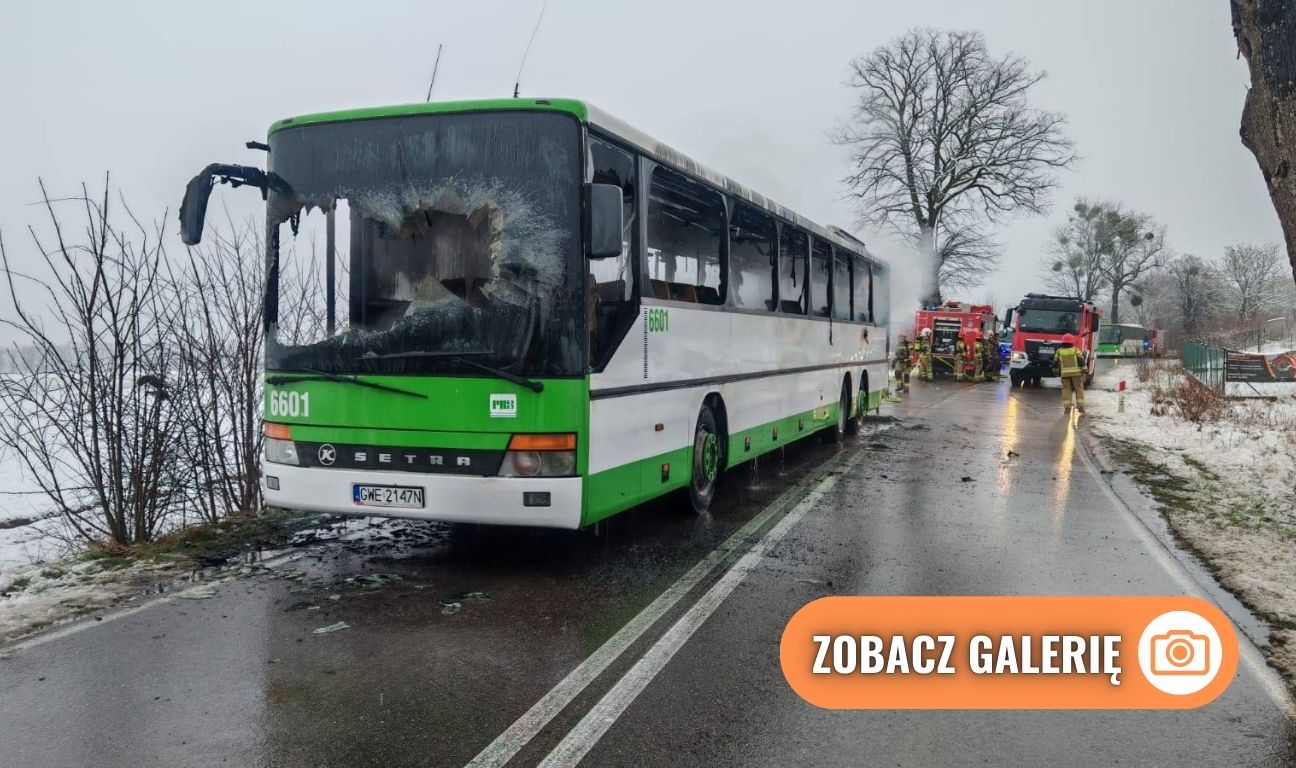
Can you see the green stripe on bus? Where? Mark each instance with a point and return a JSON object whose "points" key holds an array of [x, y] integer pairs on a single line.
{"points": [[620, 488], [570, 106]]}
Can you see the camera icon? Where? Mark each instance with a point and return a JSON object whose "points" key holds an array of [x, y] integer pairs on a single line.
{"points": [[1180, 652]]}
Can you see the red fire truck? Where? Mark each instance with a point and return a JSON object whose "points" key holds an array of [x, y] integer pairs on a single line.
{"points": [[1039, 326], [951, 321]]}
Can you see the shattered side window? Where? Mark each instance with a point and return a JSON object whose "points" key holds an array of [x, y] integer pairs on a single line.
{"points": [[841, 285], [862, 280], [454, 237], [751, 258], [820, 275], [794, 249]]}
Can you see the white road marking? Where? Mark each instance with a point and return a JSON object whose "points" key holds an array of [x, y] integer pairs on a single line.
{"points": [[516, 736], [1247, 651], [578, 742]]}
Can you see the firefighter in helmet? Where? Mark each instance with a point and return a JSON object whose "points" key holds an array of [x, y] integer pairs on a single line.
{"points": [[1070, 365], [960, 358], [925, 354], [978, 358], [903, 362], [990, 364]]}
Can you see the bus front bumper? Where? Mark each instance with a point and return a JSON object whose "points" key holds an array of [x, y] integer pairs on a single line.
{"points": [[447, 498]]}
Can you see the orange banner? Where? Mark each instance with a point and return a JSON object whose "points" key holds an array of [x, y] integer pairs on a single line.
{"points": [[1009, 652]]}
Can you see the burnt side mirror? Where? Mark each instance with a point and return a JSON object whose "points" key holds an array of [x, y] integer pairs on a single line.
{"points": [[603, 220], [193, 208]]}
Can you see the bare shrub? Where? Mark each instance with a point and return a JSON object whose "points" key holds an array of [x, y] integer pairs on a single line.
{"points": [[89, 410], [217, 332], [1188, 399]]}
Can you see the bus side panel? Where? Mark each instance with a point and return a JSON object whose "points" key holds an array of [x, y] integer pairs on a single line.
{"points": [[640, 443]]}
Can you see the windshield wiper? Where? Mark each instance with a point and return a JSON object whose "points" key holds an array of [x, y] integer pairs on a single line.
{"points": [[323, 376], [465, 358]]}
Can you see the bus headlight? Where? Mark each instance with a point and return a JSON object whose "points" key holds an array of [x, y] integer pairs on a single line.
{"points": [[547, 455], [1019, 357], [281, 452], [538, 464]]}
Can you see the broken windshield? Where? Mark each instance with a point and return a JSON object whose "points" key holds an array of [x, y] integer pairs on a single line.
{"points": [[453, 233]]}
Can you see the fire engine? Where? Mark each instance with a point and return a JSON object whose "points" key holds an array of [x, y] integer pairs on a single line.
{"points": [[951, 321], [1040, 324]]}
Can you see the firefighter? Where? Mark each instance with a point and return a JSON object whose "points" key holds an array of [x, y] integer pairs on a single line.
{"points": [[990, 366], [960, 358], [903, 363], [978, 359], [1070, 368], [925, 354]]}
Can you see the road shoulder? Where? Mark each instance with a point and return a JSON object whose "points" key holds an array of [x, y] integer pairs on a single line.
{"points": [[1220, 476]]}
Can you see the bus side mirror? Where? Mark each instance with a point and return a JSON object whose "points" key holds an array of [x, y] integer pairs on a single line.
{"points": [[1008, 316], [603, 220], [1093, 322], [193, 208]]}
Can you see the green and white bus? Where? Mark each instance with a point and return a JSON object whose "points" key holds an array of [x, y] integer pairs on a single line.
{"points": [[533, 314]]}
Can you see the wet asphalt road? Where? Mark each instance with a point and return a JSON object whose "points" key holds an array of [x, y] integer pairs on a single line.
{"points": [[455, 633]]}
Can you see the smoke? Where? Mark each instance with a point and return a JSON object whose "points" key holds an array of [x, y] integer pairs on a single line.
{"points": [[912, 282]]}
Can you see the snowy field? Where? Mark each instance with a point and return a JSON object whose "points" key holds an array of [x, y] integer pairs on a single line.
{"points": [[23, 543], [1227, 487]]}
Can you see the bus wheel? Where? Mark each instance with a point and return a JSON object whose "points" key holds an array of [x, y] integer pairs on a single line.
{"points": [[1015, 377], [837, 431], [706, 461], [1088, 380]]}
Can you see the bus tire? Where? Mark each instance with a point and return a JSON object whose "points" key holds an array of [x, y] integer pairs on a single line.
{"points": [[1088, 380], [837, 431], [861, 402], [706, 461], [1015, 377]]}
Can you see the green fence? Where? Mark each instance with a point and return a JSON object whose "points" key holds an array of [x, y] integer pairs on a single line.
{"points": [[1205, 363]]}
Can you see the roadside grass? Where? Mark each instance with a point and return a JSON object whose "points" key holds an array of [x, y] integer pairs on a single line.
{"points": [[208, 544], [1220, 473], [101, 575], [1181, 500]]}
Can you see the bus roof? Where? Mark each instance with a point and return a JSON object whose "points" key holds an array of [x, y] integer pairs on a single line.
{"points": [[600, 121]]}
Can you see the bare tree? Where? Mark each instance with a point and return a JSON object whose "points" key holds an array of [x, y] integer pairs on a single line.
{"points": [[941, 129], [1250, 274], [1266, 36], [217, 327], [1074, 260], [1193, 293], [965, 254], [1133, 245], [90, 415]]}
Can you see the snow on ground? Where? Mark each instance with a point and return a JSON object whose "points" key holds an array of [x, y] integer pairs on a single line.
{"points": [[28, 533], [1226, 486]]}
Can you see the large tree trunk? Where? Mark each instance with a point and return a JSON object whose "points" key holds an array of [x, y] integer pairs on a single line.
{"points": [[1115, 307], [1266, 35], [931, 293]]}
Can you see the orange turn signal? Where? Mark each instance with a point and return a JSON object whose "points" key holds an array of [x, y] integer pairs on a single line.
{"points": [[565, 441], [277, 431]]}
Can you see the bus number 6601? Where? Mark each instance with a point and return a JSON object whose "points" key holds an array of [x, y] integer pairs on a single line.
{"points": [[292, 404]]}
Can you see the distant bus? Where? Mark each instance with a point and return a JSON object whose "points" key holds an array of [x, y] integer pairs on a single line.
{"points": [[547, 317], [1128, 340]]}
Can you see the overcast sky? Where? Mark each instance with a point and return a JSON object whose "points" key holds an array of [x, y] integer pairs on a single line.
{"points": [[152, 91]]}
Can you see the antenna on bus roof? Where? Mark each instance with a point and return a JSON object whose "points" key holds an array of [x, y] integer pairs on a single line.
{"points": [[517, 82], [435, 66]]}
